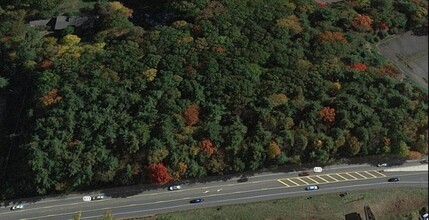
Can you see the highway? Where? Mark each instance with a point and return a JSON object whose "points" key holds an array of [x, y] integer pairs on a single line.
{"points": [[260, 187]]}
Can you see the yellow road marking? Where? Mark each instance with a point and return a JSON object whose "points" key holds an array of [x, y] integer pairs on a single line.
{"points": [[283, 183], [331, 177], [351, 176], [320, 177], [302, 181], [361, 175], [370, 174], [312, 180], [341, 176], [378, 172], [293, 182]]}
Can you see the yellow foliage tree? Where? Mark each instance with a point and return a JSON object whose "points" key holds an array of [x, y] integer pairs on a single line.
{"points": [[273, 150], [278, 99], [70, 40], [150, 74], [291, 22]]}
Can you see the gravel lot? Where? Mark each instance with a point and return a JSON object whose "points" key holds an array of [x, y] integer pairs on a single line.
{"points": [[410, 53]]}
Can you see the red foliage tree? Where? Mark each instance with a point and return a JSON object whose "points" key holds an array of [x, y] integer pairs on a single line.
{"points": [[358, 66], [192, 115], [383, 26], [158, 174], [207, 147], [327, 114]]}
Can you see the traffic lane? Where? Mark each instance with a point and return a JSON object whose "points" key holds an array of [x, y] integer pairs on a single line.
{"points": [[257, 177], [255, 194], [268, 194], [182, 203], [155, 198]]}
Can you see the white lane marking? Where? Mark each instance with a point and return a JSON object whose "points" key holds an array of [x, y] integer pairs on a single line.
{"points": [[246, 198]]}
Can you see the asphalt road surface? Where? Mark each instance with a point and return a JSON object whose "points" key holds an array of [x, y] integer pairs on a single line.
{"points": [[216, 193]]}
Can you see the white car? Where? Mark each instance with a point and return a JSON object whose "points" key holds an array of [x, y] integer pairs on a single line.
{"points": [[382, 165], [87, 198], [17, 207], [318, 169], [309, 188], [176, 187]]}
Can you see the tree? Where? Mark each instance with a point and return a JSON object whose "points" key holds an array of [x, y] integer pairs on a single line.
{"points": [[327, 114], [358, 66], [192, 115], [158, 174], [362, 23], [207, 147], [273, 150]]}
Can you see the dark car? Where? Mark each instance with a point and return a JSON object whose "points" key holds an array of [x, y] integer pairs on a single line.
{"points": [[97, 197], [394, 179], [304, 174], [199, 200]]}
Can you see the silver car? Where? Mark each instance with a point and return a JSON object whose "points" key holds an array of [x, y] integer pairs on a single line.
{"points": [[382, 165]]}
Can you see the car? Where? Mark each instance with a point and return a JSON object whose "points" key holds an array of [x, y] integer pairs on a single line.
{"points": [[17, 207], [97, 197], [394, 179], [309, 188], [317, 169], [424, 161], [199, 200], [382, 165], [424, 216], [304, 174], [176, 187], [86, 198]]}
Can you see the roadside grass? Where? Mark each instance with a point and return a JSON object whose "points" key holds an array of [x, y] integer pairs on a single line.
{"points": [[386, 204]]}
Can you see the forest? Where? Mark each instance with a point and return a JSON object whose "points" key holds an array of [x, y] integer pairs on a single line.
{"points": [[162, 91]]}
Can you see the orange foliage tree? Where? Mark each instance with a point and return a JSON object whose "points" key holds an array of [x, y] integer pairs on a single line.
{"points": [[362, 23], [414, 155], [192, 115], [327, 114], [51, 98], [358, 66], [158, 174], [389, 70], [207, 146], [332, 36], [273, 150], [45, 64]]}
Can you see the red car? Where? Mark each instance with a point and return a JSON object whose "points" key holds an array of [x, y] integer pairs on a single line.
{"points": [[304, 174]]}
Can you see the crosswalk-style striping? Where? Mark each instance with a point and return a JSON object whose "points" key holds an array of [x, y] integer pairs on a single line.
{"points": [[330, 178]]}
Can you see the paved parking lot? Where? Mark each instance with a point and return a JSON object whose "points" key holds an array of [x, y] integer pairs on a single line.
{"points": [[330, 178]]}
